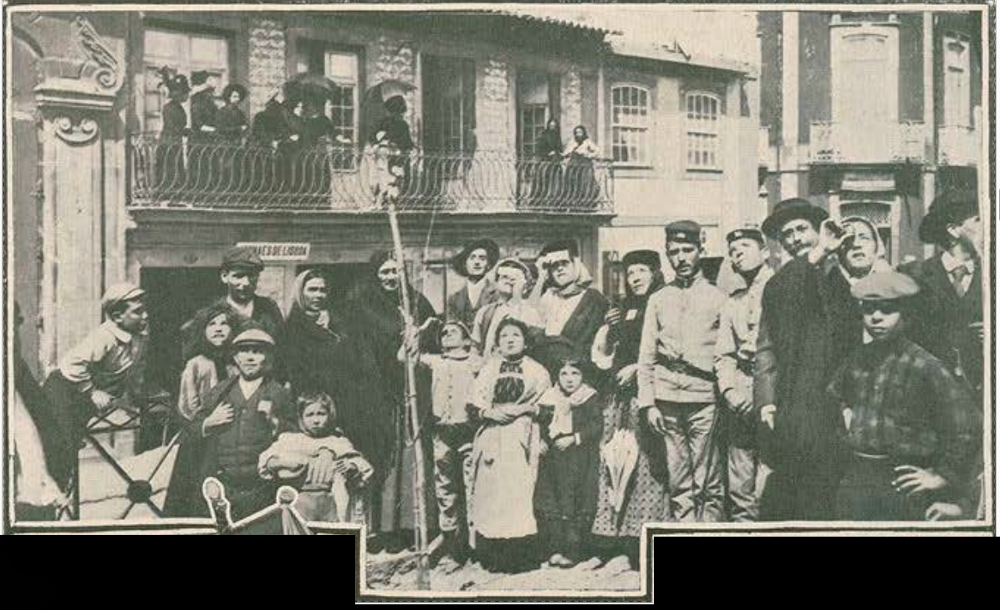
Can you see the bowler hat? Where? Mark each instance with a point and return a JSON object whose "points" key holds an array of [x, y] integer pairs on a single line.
{"points": [[242, 257], [492, 254], [951, 207], [789, 210]]}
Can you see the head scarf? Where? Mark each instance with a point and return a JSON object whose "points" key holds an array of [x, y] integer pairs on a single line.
{"points": [[297, 300], [880, 264], [584, 280]]}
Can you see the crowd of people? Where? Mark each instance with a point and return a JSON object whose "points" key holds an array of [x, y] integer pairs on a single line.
{"points": [[556, 423]]}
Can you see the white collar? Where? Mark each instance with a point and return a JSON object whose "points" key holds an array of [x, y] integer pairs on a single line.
{"points": [[249, 388], [118, 332], [951, 263]]}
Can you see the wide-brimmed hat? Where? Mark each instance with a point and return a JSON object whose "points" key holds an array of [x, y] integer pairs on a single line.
{"points": [[234, 88], [952, 207], [492, 254], [789, 210]]}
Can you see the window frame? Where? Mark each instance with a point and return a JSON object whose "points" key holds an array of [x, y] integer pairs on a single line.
{"points": [[698, 128], [949, 38], [357, 86], [642, 126]]}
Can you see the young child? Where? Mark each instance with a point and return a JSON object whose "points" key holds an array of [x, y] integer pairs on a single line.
{"points": [[505, 452], [909, 423], [454, 377], [288, 458], [210, 362], [566, 494]]}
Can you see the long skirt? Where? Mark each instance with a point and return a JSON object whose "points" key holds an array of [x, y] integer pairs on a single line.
{"points": [[393, 503], [647, 497]]}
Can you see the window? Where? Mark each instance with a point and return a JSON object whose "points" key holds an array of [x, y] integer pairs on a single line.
{"points": [[186, 53], [537, 100], [865, 73], [630, 125], [703, 114], [957, 97], [342, 69], [449, 89]]}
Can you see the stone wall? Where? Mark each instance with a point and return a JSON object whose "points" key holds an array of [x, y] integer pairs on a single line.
{"points": [[494, 130], [571, 98], [392, 59], [267, 71]]}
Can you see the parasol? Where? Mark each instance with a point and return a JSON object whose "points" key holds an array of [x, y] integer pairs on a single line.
{"points": [[620, 456], [310, 86], [373, 104]]}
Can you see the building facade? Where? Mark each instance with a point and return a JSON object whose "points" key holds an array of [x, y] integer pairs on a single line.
{"points": [[871, 115]]}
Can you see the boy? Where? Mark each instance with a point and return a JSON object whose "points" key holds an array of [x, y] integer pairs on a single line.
{"points": [[454, 376], [910, 424]]}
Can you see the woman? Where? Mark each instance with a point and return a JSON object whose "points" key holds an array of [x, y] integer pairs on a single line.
{"points": [[581, 186], [170, 172], [393, 132], [232, 127], [210, 362], [546, 187], [321, 354], [505, 454], [384, 435], [513, 285], [616, 350]]}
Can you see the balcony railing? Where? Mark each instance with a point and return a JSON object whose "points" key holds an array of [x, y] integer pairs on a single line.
{"points": [[179, 173], [866, 143], [958, 146]]}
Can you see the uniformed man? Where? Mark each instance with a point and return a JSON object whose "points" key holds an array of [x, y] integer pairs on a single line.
{"points": [[677, 377], [734, 366], [98, 373]]}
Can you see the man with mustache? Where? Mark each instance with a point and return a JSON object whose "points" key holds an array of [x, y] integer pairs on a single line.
{"points": [[475, 262], [796, 355], [677, 380], [734, 365]]}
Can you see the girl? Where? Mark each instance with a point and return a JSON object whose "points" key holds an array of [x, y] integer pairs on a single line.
{"points": [[566, 496], [210, 363], [505, 453], [288, 459]]}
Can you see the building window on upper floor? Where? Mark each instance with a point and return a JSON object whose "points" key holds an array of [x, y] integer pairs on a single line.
{"points": [[342, 69], [186, 53], [957, 94], [703, 125], [537, 103], [630, 125], [864, 63], [449, 104]]}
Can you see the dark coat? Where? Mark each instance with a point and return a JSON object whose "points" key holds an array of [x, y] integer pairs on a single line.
{"points": [[941, 319], [577, 336], [204, 112], [463, 310], [232, 122], [397, 132]]}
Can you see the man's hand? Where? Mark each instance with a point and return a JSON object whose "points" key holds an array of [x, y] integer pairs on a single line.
{"points": [[564, 443], [944, 511], [656, 421], [913, 480], [627, 375], [345, 467], [977, 329], [830, 241], [498, 417], [739, 402], [767, 415], [321, 469], [223, 415], [102, 400]]}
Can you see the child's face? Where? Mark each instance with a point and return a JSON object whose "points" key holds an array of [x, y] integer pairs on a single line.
{"points": [[453, 338], [218, 330], [570, 379], [511, 342], [883, 319], [250, 359], [315, 419]]}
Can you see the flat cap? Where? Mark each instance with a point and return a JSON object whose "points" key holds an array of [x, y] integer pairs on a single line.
{"points": [[745, 233], [254, 335], [650, 258], [242, 256], [885, 286], [120, 293], [684, 231]]}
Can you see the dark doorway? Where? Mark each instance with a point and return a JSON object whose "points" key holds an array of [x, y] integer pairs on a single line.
{"points": [[343, 277]]}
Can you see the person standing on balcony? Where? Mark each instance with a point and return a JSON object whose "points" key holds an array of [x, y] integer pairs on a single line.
{"points": [[581, 188], [233, 128], [393, 132], [547, 183], [203, 157], [375, 307], [677, 378], [475, 263], [170, 172], [572, 311], [736, 350], [797, 349]]}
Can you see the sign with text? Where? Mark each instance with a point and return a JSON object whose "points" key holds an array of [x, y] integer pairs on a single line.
{"points": [[274, 252]]}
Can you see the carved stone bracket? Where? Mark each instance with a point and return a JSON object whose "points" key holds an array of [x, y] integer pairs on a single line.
{"points": [[76, 130], [104, 66]]}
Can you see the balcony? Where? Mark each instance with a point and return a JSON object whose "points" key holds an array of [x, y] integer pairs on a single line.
{"points": [[958, 146], [866, 143], [179, 174]]}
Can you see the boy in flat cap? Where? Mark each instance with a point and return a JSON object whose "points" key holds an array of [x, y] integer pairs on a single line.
{"points": [[474, 263], [949, 310], [736, 351], [910, 425], [677, 377], [103, 368], [241, 419]]}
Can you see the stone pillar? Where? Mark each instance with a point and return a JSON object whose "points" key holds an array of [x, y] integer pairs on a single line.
{"points": [[266, 61]]}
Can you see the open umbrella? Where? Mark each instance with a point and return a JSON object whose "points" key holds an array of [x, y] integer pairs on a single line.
{"points": [[620, 456], [373, 103], [309, 85]]}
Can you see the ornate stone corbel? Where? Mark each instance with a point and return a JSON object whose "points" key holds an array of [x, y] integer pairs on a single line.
{"points": [[76, 131], [106, 66]]}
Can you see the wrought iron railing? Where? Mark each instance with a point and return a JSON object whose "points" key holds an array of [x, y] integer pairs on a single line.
{"points": [[186, 173]]}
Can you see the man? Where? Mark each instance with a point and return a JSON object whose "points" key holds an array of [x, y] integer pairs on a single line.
{"points": [[910, 424], [949, 310], [474, 263], [96, 375], [676, 378], [795, 359], [734, 366]]}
